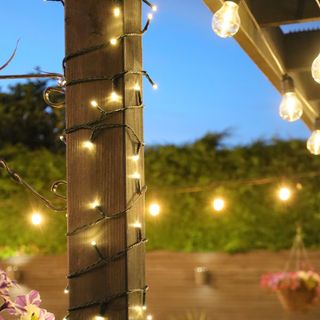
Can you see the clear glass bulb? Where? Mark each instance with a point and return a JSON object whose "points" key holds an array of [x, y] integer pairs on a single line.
{"points": [[226, 21], [313, 144], [291, 108], [315, 69]]}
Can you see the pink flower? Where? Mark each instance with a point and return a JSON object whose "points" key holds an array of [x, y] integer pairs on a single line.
{"points": [[5, 284], [28, 308]]}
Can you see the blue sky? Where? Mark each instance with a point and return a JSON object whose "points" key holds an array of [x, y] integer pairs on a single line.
{"points": [[205, 83]]}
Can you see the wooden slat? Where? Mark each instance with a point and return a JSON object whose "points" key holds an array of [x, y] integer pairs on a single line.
{"points": [[233, 293], [276, 13]]}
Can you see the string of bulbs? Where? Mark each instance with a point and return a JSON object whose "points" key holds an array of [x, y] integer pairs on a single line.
{"points": [[226, 23]]}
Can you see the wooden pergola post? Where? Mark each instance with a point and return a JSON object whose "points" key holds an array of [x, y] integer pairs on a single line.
{"points": [[105, 176]]}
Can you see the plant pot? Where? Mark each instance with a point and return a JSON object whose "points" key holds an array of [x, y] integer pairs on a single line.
{"points": [[300, 299]]}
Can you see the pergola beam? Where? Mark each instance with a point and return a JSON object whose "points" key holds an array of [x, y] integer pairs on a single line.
{"points": [[301, 48], [267, 49], [276, 13]]}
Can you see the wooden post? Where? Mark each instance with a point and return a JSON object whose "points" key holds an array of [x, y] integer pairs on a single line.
{"points": [[103, 176]]}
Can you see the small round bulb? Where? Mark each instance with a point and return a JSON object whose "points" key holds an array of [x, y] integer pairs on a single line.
{"points": [[150, 16], [313, 144], [117, 12], [149, 317], [114, 96], [155, 86], [135, 157], [136, 87], [291, 108], [88, 145], [66, 291], [226, 21], [137, 225], [154, 209], [284, 194], [218, 204], [154, 8], [93, 243], [95, 204], [113, 41], [94, 104], [315, 69], [36, 218], [136, 175]]}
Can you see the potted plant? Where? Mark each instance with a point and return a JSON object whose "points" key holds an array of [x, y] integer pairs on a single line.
{"points": [[297, 290]]}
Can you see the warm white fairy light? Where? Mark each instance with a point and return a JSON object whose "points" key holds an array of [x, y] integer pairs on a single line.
{"points": [[135, 157], [93, 243], [100, 318], [94, 103], [136, 175], [61, 138], [136, 87], [116, 12], [284, 194], [137, 225], [149, 317], [218, 204], [155, 86], [154, 8], [95, 204], [36, 218], [88, 145], [66, 291], [114, 41], [150, 16], [154, 209], [114, 96]]}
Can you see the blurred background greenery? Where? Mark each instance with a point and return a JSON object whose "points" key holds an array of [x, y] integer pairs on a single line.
{"points": [[246, 176]]}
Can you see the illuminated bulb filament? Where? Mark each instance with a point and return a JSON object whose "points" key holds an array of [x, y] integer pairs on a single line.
{"points": [[291, 108], [226, 21]]}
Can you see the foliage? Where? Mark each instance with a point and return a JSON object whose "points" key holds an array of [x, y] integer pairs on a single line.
{"points": [[254, 218], [25, 118], [39, 168]]}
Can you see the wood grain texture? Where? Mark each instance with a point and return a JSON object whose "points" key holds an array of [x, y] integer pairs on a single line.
{"points": [[100, 174], [233, 293]]}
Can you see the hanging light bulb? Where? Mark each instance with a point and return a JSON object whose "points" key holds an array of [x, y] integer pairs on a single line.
{"points": [[315, 69], [218, 204], [291, 108], [313, 144], [284, 194], [226, 21]]}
